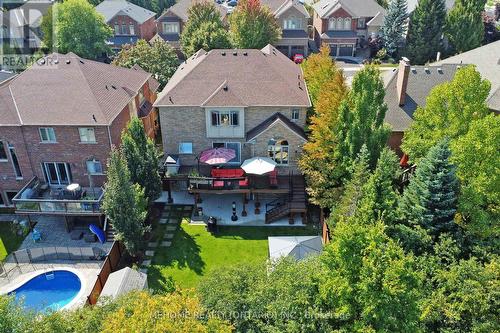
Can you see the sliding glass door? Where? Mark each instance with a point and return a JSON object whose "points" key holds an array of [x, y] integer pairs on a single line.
{"points": [[57, 173]]}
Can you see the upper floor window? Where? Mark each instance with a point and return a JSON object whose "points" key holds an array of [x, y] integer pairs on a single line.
{"points": [[278, 151], [340, 23], [185, 147], [347, 23], [295, 114], [47, 134], [141, 96], [361, 23], [3, 152], [170, 27], [225, 118], [124, 29], [15, 162], [117, 29], [132, 29], [331, 23], [94, 167], [292, 23], [87, 134]]}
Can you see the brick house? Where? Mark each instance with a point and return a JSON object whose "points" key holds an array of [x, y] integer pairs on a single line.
{"points": [[59, 120], [291, 15], [251, 101], [129, 22], [346, 24]]}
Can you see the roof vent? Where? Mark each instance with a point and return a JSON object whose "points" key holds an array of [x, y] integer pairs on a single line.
{"points": [[170, 99], [223, 54], [68, 61], [427, 70], [42, 61], [113, 87], [225, 88], [93, 117], [458, 67], [245, 53], [414, 70], [56, 61], [394, 69], [235, 53], [81, 61], [440, 70]]}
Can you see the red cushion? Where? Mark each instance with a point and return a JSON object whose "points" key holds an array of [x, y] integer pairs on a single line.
{"points": [[243, 182], [227, 173], [218, 183]]}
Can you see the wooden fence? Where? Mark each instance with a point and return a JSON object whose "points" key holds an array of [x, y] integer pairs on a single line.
{"points": [[324, 227], [109, 265]]}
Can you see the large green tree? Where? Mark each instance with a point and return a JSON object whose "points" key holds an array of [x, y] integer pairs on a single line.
{"points": [[425, 30], [431, 198], [124, 203], [204, 30], [47, 27], [252, 26], [476, 155], [157, 58], [79, 29], [449, 110], [464, 25], [395, 25], [320, 161], [142, 159]]}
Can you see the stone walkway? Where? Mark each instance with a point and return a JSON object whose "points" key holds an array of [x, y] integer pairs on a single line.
{"points": [[169, 222]]}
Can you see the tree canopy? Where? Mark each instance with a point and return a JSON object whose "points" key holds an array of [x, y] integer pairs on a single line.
{"points": [[253, 26], [395, 25], [464, 25], [157, 58]]}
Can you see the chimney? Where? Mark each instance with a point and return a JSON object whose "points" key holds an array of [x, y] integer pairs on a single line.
{"points": [[402, 83]]}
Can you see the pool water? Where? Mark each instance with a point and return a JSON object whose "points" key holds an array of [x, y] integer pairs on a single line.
{"points": [[49, 291]]}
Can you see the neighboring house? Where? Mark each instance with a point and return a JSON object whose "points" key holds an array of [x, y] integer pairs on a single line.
{"points": [[248, 100], [58, 122], [346, 24], [409, 86], [5, 76], [129, 22], [291, 15]]}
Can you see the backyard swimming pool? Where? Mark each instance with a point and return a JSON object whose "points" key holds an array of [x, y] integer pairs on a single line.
{"points": [[49, 291]]}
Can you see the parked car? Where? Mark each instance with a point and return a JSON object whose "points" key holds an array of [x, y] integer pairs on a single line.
{"points": [[298, 58]]}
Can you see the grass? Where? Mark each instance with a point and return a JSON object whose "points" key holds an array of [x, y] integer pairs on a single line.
{"points": [[9, 241], [195, 252]]}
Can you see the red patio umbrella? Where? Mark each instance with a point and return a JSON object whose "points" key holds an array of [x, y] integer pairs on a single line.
{"points": [[217, 156], [404, 161]]}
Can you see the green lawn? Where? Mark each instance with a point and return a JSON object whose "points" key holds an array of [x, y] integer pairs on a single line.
{"points": [[194, 251], [9, 241]]}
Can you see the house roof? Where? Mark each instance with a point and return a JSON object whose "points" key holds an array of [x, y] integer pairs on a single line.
{"points": [[357, 8], [278, 7], [69, 90], [270, 122], [487, 61], [5, 75], [377, 20], [420, 83], [122, 40], [248, 77], [180, 9], [111, 8]]}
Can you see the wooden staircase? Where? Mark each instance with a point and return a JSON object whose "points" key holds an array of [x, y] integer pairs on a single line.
{"points": [[109, 230], [289, 206]]}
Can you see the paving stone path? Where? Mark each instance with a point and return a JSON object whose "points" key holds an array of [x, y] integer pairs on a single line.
{"points": [[150, 253], [146, 262], [166, 243], [169, 236]]}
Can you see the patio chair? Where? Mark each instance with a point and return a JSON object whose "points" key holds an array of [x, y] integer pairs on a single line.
{"points": [[36, 235]]}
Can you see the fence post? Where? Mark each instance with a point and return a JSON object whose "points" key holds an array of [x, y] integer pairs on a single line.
{"points": [[110, 266]]}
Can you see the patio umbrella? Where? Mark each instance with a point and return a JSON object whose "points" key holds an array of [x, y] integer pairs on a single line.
{"points": [[258, 165], [298, 247], [217, 155]]}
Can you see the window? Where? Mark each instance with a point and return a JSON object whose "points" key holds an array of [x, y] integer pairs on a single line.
{"points": [[361, 23], [292, 23], [278, 151], [94, 167], [331, 24], [132, 29], [57, 173], [340, 23], [117, 29], [295, 114], [10, 196], [47, 134], [124, 29], [2, 202], [15, 162], [347, 23], [225, 118], [170, 27], [3, 152], [236, 146], [141, 96], [87, 134], [185, 148]]}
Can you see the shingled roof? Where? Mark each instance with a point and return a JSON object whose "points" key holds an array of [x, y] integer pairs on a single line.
{"points": [[244, 77], [68, 90], [111, 8], [269, 122], [357, 8], [180, 9]]}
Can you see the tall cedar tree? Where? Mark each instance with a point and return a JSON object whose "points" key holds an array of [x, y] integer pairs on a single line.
{"points": [[252, 26], [361, 119], [142, 159], [425, 31], [124, 203], [476, 155], [204, 30], [431, 198], [79, 28], [320, 161], [449, 110], [464, 25], [157, 58], [395, 26]]}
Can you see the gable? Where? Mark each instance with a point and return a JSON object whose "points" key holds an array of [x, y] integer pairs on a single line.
{"points": [[293, 10], [340, 12]]}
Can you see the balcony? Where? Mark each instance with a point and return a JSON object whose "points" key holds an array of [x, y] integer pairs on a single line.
{"points": [[38, 197]]}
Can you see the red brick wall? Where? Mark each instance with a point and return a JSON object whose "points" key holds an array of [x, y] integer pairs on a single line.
{"points": [[148, 29], [394, 142], [145, 31]]}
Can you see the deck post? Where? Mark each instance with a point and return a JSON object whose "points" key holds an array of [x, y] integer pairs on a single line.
{"points": [[169, 191], [244, 212], [66, 223], [257, 204]]}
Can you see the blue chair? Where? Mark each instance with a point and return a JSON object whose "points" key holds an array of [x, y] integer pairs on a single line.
{"points": [[36, 235]]}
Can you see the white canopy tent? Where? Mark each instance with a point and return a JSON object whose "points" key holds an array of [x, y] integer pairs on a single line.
{"points": [[298, 247]]}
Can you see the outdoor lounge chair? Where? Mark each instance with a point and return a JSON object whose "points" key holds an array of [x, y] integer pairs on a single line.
{"points": [[36, 235]]}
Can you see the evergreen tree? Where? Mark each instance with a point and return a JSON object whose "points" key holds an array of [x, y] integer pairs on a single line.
{"points": [[253, 26], [464, 25], [431, 198], [124, 203], [425, 31], [395, 25], [142, 159], [361, 119], [204, 30]]}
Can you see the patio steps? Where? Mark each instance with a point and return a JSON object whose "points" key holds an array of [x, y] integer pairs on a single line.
{"points": [[110, 233], [296, 203]]}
